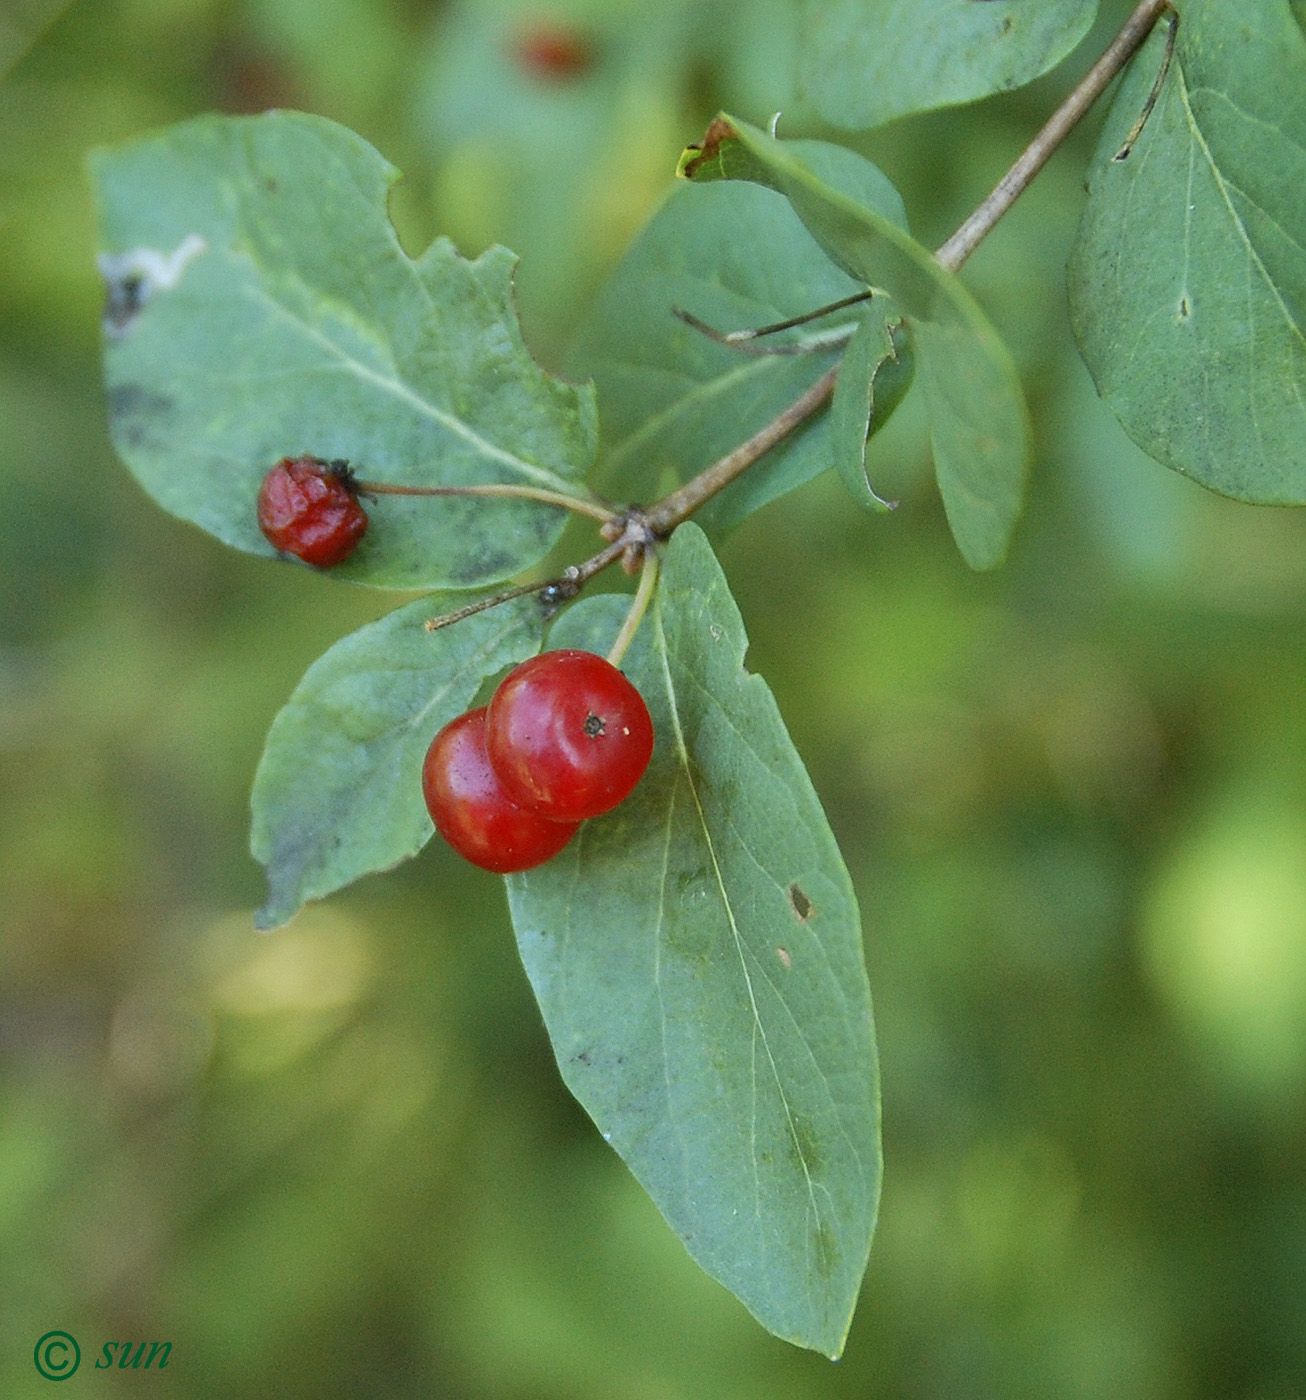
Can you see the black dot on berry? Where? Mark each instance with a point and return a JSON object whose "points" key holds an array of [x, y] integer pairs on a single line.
{"points": [[593, 726]]}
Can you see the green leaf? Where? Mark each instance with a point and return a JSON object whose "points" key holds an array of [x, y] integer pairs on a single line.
{"points": [[978, 424], [261, 306], [1188, 277], [338, 790], [874, 375], [864, 62], [673, 400], [697, 955]]}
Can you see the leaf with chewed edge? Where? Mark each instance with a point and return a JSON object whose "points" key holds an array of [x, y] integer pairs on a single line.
{"points": [[261, 306], [338, 791], [697, 954]]}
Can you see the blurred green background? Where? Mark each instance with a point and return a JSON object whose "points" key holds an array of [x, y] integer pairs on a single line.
{"points": [[337, 1160]]}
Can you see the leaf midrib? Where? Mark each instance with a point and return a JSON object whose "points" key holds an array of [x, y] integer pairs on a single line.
{"points": [[399, 389], [759, 1029]]}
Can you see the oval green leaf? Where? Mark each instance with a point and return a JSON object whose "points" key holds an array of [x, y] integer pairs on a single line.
{"points": [[338, 792], [260, 306], [1188, 277], [865, 62], [697, 954]]}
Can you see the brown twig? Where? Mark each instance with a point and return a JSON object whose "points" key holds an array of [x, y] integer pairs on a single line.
{"points": [[1054, 131]]}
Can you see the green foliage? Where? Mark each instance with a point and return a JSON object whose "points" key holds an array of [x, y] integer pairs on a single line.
{"points": [[673, 400], [978, 424], [697, 955], [261, 306], [336, 795], [865, 62], [1188, 279]]}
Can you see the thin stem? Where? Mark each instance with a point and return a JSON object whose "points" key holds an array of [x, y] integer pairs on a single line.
{"points": [[755, 333], [680, 504], [526, 493], [1058, 126], [434, 624], [1135, 131], [639, 606]]}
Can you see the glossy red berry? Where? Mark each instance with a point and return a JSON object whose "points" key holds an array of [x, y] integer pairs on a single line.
{"points": [[471, 811], [308, 508], [568, 735]]}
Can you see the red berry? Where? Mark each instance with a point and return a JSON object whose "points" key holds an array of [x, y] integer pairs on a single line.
{"points": [[554, 55], [568, 735], [308, 508], [471, 811]]}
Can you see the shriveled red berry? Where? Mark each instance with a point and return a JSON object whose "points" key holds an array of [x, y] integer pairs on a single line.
{"points": [[553, 53], [568, 735], [307, 507], [471, 811]]}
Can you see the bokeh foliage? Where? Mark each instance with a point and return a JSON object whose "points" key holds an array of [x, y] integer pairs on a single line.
{"points": [[337, 1160]]}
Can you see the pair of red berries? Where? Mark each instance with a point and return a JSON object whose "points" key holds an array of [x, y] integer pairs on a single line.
{"points": [[565, 737], [310, 508]]}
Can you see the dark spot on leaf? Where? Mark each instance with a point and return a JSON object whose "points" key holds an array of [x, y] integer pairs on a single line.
{"points": [[1185, 311], [136, 411], [123, 299], [801, 905], [583, 1058], [593, 725], [270, 185], [1005, 26]]}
